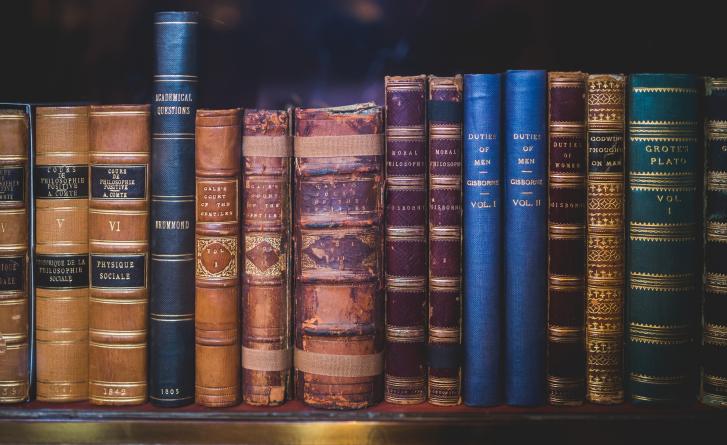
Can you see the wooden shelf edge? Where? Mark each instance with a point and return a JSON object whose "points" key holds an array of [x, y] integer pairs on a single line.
{"points": [[422, 425]]}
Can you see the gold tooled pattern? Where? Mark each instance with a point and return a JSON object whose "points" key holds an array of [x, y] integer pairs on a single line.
{"points": [[657, 282], [444, 390], [658, 379], [664, 123], [714, 334], [405, 390], [406, 284], [658, 334], [717, 181], [274, 270], [605, 256], [565, 334], [715, 283], [680, 90], [663, 232], [229, 270], [405, 334], [444, 335], [662, 139], [714, 380], [716, 232]]}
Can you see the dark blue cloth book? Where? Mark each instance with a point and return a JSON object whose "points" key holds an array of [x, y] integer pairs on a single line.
{"points": [[525, 235], [482, 266], [174, 104]]}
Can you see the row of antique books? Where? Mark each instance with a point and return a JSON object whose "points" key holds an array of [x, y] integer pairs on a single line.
{"points": [[476, 240]]}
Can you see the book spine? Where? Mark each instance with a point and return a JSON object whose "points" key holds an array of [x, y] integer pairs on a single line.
{"points": [[61, 253], [605, 238], [482, 238], [339, 303], [444, 341], [118, 232], [217, 241], [566, 237], [266, 291], [662, 261], [406, 239], [14, 352], [714, 316], [525, 237], [174, 103]]}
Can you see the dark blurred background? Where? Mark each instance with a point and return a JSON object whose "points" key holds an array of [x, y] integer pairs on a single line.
{"points": [[331, 52]]}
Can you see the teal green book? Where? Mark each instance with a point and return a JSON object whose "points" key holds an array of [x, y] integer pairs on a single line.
{"points": [[663, 260]]}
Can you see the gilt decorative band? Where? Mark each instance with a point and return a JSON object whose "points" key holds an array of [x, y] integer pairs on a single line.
{"points": [[336, 146]]}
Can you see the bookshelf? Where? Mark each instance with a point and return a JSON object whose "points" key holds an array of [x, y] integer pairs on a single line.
{"points": [[102, 52]]}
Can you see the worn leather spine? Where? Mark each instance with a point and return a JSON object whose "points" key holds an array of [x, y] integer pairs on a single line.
{"points": [[339, 305], [14, 303], [267, 149], [174, 103], [406, 239], [663, 236], [713, 389], [61, 253], [444, 341], [118, 232], [482, 239], [566, 237], [605, 238], [217, 246], [525, 236]]}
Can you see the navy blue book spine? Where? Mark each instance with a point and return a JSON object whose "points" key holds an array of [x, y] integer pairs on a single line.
{"points": [[525, 237], [482, 267], [174, 104]]}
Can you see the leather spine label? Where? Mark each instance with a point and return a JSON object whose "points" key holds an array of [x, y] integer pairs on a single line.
{"points": [[118, 271], [61, 271], [217, 200], [118, 181], [61, 181], [12, 273], [12, 178]]}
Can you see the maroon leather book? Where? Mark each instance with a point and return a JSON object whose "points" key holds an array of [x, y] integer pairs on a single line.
{"points": [[406, 239], [339, 323], [566, 237], [266, 299], [445, 239]]}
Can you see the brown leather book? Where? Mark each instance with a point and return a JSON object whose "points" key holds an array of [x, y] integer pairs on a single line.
{"points": [[266, 298], [338, 256], [14, 139], [445, 240], [61, 253], [118, 231], [217, 240], [605, 239], [566, 237]]}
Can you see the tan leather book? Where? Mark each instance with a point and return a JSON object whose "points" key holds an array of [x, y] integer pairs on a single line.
{"points": [[61, 253], [266, 299], [14, 140], [118, 229], [605, 254], [217, 240], [339, 304]]}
